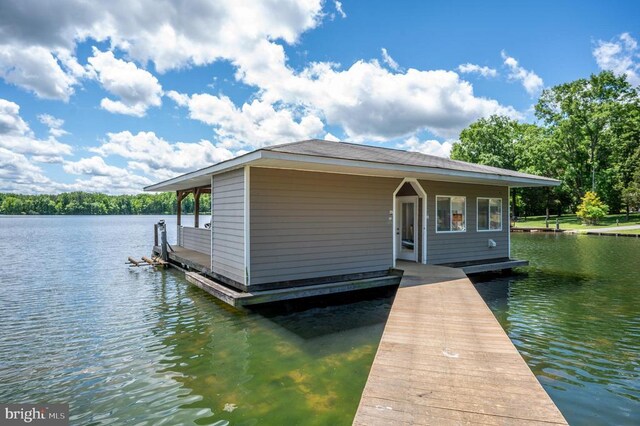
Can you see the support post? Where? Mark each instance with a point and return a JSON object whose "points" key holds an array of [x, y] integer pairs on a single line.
{"points": [[196, 208], [163, 240], [179, 208], [155, 235]]}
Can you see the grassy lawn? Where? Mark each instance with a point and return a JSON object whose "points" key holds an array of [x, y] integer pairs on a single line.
{"points": [[572, 222]]}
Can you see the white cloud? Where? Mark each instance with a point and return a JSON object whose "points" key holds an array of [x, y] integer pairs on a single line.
{"points": [[41, 150], [17, 169], [172, 35], [129, 184], [37, 38], [54, 125], [36, 69], [18, 174], [469, 68], [103, 177], [159, 158], [389, 60], [179, 98], [255, 124], [430, 147], [367, 100], [338, 6], [371, 102], [94, 166], [621, 56], [10, 121], [532, 83], [16, 136], [331, 137], [138, 89]]}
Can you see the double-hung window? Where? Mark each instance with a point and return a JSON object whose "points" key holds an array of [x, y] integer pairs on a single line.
{"points": [[450, 213], [489, 214]]}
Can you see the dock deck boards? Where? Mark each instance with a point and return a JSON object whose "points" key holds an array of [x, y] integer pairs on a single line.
{"points": [[194, 259], [445, 359]]}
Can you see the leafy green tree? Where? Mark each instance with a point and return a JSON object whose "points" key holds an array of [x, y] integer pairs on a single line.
{"points": [[582, 115], [536, 155], [12, 205], [503, 142], [631, 197], [493, 142], [625, 152], [96, 204], [489, 141], [592, 208]]}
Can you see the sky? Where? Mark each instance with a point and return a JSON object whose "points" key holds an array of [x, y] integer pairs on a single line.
{"points": [[113, 96]]}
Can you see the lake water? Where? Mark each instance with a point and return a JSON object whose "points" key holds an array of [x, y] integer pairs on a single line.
{"points": [[575, 318], [144, 347]]}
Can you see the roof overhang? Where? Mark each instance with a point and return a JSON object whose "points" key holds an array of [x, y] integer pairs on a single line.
{"points": [[281, 160]]}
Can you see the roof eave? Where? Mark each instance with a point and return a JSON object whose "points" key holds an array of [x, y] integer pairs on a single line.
{"points": [[266, 157], [513, 181], [210, 170]]}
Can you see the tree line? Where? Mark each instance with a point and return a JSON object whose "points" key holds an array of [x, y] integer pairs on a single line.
{"points": [[74, 203], [587, 135]]}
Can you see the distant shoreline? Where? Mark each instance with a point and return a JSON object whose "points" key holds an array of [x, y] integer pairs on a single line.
{"points": [[98, 214], [95, 204]]}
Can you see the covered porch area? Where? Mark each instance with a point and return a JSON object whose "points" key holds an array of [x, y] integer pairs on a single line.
{"points": [[196, 238], [193, 242]]}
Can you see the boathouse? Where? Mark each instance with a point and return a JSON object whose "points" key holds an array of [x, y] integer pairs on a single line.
{"points": [[315, 217]]}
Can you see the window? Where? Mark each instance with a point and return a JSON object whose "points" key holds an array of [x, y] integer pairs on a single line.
{"points": [[450, 213], [489, 214]]}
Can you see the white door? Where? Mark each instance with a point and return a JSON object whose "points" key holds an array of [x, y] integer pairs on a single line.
{"points": [[407, 228]]}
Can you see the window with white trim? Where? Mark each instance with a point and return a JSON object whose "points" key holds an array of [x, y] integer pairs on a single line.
{"points": [[489, 214], [450, 213]]}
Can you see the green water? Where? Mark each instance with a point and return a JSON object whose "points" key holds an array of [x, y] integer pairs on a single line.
{"points": [[574, 315], [144, 347]]}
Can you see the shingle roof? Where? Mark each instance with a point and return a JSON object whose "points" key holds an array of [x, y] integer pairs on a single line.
{"points": [[352, 151], [367, 156]]}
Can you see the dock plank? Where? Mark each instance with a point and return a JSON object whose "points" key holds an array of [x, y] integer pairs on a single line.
{"points": [[445, 359]]}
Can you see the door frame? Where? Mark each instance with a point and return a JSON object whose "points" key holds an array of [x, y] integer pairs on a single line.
{"points": [[408, 199], [423, 241]]}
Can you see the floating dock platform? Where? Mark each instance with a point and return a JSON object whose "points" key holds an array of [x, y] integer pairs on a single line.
{"points": [[196, 266], [445, 359], [198, 273]]}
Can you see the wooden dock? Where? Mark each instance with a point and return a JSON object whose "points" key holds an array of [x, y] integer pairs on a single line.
{"points": [[445, 359], [195, 260]]}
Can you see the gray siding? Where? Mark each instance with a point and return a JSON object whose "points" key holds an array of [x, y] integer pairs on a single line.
{"points": [[198, 239], [309, 225], [227, 225], [470, 245]]}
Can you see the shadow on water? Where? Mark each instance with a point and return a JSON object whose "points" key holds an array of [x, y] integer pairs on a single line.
{"points": [[315, 317], [281, 363]]}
